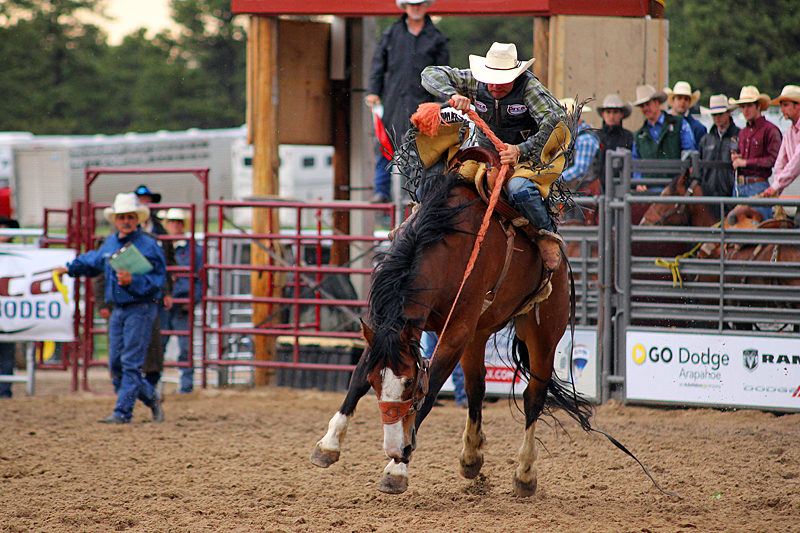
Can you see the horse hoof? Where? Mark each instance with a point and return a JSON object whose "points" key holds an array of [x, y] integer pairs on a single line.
{"points": [[323, 458], [391, 484], [525, 490], [472, 471]]}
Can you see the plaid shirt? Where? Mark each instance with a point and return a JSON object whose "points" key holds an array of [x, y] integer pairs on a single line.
{"points": [[586, 146], [445, 82]]}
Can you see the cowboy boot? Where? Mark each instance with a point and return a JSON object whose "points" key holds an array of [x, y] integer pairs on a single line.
{"points": [[550, 244]]}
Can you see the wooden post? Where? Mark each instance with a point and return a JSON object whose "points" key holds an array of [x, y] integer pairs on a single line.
{"points": [[340, 251], [262, 125], [541, 48]]}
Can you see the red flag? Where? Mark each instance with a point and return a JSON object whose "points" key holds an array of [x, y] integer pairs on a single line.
{"points": [[383, 137]]}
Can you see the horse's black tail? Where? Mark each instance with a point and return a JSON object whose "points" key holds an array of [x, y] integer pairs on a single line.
{"points": [[560, 394]]}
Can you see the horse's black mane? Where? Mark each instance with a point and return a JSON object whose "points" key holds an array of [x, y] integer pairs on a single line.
{"points": [[392, 282]]}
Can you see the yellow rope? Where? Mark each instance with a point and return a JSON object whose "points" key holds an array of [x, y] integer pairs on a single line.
{"points": [[674, 266]]}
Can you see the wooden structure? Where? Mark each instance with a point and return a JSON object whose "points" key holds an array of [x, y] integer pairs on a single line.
{"points": [[307, 78]]}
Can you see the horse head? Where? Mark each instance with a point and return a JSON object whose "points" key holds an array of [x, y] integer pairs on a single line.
{"points": [[679, 214], [400, 381]]}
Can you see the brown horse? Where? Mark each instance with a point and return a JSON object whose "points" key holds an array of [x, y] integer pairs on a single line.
{"points": [[413, 288]]}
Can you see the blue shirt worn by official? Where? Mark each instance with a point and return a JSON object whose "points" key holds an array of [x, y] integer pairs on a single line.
{"points": [[183, 258], [143, 287]]}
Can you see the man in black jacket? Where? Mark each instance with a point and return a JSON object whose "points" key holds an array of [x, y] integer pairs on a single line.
{"points": [[405, 48], [716, 145], [612, 135]]}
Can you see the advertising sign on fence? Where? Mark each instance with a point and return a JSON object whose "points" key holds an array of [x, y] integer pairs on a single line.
{"points": [[32, 308], [500, 373], [724, 370]]}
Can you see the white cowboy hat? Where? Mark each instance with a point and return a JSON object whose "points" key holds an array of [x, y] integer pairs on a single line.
{"points": [[401, 3], [612, 101], [126, 202], [645, 93], [682, 88], [790, 92], [569, 103], [717, 104], [499, 66], [176, 213], [750, 95]]}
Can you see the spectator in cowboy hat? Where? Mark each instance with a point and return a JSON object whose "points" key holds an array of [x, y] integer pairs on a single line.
{"points": [[662, 136], [612, 134], [759, 145], [681, 99], [404, 49], [717, 145], [787, 166], [178, 316], [135, 298]]}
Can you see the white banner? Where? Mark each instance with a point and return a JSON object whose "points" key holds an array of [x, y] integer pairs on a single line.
{"points": [[725, 370], [500, 374], [31, 306]]}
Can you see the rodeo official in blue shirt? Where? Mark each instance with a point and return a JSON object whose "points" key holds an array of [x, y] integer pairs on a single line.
{"points": [[135, 298]]}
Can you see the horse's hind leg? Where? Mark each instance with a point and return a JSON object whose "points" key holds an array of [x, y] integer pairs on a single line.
{"points": [[538, 351], [475, 386], [327, 450]]}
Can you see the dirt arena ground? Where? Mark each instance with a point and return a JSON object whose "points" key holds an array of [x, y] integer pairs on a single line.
{"points": [[237, 461]]}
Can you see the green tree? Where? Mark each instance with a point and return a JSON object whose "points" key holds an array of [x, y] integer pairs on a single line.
{"points": [[47, 58], [214, 42], [720, 46]]}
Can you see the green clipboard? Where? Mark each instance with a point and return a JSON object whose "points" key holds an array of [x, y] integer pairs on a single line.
{"points": [[130, 259]]}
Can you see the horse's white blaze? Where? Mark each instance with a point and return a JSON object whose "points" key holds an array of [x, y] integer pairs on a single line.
{"points": [[337, 429], [396, 469], [391, 386], [392, 391], [527, 456]]}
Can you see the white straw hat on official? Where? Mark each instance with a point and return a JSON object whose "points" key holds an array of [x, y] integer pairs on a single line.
{"points": [[569, 103], [612, 101], [499, 66], [126, 202], [790, 92], [717, 104], [645, 93], [176, 213], [750, 95], [682, 88], [401, 3]]}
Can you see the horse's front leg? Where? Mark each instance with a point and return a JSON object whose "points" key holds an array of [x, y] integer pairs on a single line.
{"points": [[475, 386], [327, 450]]}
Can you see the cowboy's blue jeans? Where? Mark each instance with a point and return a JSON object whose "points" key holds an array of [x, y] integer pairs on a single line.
{"points": [[429, 344], [524, 196], [129, 336], [383, 176], [753, 189], [6, 367], [177, 319]]}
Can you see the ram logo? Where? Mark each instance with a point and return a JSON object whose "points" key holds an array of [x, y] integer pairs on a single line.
{"points": [[750, 359]]}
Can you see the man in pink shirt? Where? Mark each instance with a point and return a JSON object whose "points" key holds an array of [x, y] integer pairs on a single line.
{"points": [[787, 166]]}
